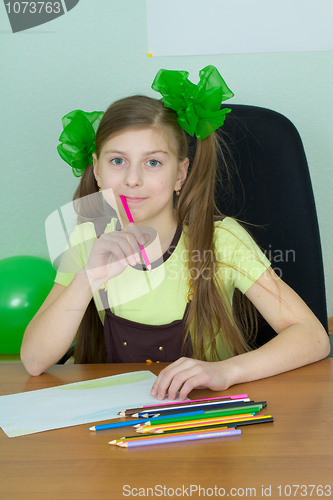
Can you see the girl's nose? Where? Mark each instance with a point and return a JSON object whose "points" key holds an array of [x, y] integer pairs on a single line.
{"points": [[133, 176]]}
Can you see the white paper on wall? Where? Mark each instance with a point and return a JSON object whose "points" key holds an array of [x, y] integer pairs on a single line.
{"points": [[197, 27]]}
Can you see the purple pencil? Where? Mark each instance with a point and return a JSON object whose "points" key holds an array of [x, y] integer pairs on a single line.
{"points": [[176, 439]]}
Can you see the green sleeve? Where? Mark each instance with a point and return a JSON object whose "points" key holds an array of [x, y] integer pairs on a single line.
{"points": [[76, 253], [239, 257]]}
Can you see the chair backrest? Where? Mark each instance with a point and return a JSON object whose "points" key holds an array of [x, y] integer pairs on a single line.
{"points": [[273, 191]]}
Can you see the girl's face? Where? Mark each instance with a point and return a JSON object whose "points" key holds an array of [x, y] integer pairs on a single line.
{"points": [[140, 165]]}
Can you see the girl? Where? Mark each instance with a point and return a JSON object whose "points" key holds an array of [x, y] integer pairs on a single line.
{"points": [[182, 310]]}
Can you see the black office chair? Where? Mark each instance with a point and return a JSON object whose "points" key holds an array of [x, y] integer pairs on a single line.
{"points": [[272, 190]]}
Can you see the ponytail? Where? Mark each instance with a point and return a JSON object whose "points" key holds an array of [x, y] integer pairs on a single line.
{"points": [[89, 342], [210, 314]]}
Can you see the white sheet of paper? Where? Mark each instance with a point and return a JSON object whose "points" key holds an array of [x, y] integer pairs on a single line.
{"points": [[74, 404], [194, 27]]}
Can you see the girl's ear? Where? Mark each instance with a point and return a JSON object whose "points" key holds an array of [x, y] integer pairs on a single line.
{"points": [[181, 174], [183, 168], [96, 169]]}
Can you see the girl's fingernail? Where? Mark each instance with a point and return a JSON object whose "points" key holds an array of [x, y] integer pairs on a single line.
{"points": [[159, 397], [142, 240], [153, 392]]}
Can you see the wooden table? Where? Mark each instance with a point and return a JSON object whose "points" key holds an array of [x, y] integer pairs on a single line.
{"points": [[267, 460]]}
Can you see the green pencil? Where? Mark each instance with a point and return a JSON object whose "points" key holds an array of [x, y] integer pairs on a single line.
{"points": [[205, 415]]}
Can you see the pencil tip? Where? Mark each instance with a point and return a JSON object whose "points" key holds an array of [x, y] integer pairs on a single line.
{"points": [[135, 415], [113, 442], [122, 413], [149, 267], [92, 428]]}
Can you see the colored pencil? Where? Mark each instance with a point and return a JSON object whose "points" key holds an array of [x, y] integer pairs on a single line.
{"points": [[177, 439], [238, 423], [129, 423], [162, 405], [208, 413], [115, 425], [212, 416], [171, 433], [216, 404], [130, 218], [157, 417], [197, 423], [235, 396], [191, 423], [206, 409], [175, 409]]}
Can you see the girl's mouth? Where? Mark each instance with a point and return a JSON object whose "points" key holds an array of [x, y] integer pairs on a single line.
{"points": [[130, 199]]}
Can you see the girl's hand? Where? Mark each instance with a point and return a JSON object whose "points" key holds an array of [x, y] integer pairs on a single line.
{"points": [[113, 252], [186, 374]]}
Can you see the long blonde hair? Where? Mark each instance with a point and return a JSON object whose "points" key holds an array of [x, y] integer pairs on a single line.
{"points": [[209, 313]]}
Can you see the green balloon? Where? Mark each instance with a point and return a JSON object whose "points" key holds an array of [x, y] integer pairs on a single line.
{"points": [[25, 282]]}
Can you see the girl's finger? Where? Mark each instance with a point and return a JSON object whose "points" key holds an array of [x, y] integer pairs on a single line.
{"points": [[121, 246], [140, 237], [168, 374], [114, 248], [181, 382], [190, 384], [163, 375]]}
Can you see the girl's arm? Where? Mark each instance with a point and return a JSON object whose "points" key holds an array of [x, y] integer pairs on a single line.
{"points": [[52, 330], [301, 340]]}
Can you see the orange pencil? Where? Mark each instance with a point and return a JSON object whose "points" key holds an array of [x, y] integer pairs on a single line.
{"points": [[191, 423], [196, 418], [182, 426]]}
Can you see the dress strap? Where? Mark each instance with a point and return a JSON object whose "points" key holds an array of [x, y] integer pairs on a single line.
{"points": [[219, 218]]}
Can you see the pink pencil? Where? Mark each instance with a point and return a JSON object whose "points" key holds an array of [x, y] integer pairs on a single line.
{"points": [[237, 396], [130, 218], [160, 405]]}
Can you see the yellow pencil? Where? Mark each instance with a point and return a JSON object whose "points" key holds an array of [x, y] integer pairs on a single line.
{"points": [[198, 424], [200, 418]]}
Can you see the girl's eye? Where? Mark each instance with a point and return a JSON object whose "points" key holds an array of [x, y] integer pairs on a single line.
{"points": [[153, 163], [117, 161]]}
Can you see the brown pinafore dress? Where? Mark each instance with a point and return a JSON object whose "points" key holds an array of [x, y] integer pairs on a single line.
{"points": [[131, 342]]}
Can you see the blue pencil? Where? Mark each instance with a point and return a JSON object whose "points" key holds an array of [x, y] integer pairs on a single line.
{"points": [[130, 423]]}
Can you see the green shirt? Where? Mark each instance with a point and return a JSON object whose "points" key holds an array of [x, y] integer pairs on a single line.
{"points": [[159, 297]]}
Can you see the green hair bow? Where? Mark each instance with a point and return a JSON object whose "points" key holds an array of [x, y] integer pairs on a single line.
{"points": [[78, 139], [197, 106]]}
